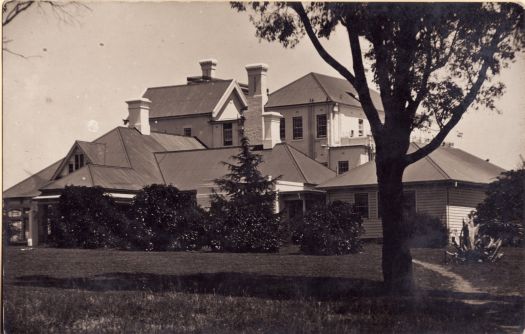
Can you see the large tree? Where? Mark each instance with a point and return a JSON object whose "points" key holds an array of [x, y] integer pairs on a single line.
{"points": [[431, 62]]}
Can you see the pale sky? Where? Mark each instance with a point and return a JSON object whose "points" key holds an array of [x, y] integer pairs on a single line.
{"points": [[77, 76]]}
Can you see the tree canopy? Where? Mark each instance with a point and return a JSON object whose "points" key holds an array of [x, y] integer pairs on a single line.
{"points": [[431, 62]]}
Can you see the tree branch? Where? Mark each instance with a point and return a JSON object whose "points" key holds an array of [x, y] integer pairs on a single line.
{"points": [[15, 11], [361, 82], [456, 112], [299, 9]]}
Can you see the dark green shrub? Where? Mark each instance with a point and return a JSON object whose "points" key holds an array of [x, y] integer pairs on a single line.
{"points": [[244, 229], [164, 218], [426, 231], [500, 215], [86, 218], [332, 229]]}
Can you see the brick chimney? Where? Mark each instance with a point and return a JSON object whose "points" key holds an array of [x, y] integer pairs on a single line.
{"points": [[138, 117], [272, 135], [208, 68], [257, 98]]}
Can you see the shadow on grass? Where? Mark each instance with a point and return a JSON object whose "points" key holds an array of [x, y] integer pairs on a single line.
{"points": [[352, 296], [244, 284]]}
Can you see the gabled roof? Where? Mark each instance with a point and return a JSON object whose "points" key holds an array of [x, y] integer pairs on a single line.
{"points": [[123, 159], [191, 99], [316, 88], [444, 164], [29, 187], [194, 170]]}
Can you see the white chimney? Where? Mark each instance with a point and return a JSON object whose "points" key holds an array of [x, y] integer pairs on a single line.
{"points": [[208, 67], [272, 134], [257, 85], [139, 115]]}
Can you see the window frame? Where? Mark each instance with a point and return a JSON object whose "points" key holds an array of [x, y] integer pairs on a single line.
{"points": [[227, 134], [339, 166], [185, 131], [361, 208], [319, 126], [295, 127], [361, 127], [282, 128]]}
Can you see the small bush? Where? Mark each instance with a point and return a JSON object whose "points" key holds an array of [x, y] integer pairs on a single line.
{"points": [[331, 229], [85, 218], [426, 230], [164, 218], [474, 247], [234, 228]]}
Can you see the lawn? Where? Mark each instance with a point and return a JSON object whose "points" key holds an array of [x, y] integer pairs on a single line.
{"points": [[50, 290]]}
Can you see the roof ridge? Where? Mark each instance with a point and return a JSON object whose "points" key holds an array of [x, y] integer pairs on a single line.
{"points": [[295, 162], [91, 174], [314, 75], [289, 84], [434, 164], [317, 162], [193, 84], [199, 149], [124, 146]]}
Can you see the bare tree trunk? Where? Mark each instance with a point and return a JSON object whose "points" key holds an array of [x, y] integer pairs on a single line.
{"points": [[396, 257]]}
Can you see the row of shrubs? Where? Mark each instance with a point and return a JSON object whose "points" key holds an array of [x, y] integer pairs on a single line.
{"points": [[163, 218]]}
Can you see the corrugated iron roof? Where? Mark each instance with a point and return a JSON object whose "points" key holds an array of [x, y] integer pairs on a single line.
{"points": [[120, 159], [29, 187], [316, 88], [190, 170], [198, 98], [444, 164], [96, 152]]}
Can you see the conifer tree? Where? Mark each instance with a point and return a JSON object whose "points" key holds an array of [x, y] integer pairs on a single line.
{"points": [[242, 213]]}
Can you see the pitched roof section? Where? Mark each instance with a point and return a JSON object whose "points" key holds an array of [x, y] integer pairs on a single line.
{"points": [[29, 187], [96, 152], [121, 159], [444, 164], [315, 87], [195, 170], [183, 100]]}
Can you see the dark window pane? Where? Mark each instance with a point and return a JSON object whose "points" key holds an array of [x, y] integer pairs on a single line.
{"points": [[361, 128], [361, 204], [297, 127], [282, 128], [187, 132], [321, 126], [342, 166], [227, 134]]}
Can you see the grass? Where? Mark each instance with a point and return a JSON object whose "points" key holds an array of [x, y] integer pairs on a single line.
{"points": [[104, 291]]}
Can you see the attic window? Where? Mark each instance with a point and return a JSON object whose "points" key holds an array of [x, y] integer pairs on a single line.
{"points": [[79, 161]]}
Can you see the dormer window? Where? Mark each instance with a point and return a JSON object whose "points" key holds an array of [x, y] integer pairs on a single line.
{"points": [[79, 161]]}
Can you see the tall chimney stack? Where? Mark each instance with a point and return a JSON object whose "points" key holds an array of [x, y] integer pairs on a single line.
{"points": [[208, 68], [257, 98], [272, 134], [138, 117]]}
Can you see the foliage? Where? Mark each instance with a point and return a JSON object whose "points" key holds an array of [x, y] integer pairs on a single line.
{"points": [[162, 218], [332, 229], [242, 217], [431, 63], [474, 247], [426, 230], [85, 218], [500, 215]]}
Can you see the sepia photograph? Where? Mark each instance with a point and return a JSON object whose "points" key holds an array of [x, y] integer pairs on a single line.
{"points": [[263, 167]]}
